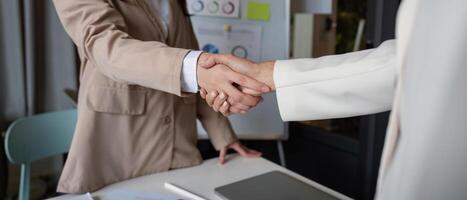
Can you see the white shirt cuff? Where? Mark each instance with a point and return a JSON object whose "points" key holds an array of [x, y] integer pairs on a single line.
{"points": [[189, 78]]}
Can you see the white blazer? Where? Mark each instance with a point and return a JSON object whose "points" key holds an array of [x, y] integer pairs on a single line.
{"points": [[421, 76]]}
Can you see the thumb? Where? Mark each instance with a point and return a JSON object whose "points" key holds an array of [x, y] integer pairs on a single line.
{"points": [[206, 60]]}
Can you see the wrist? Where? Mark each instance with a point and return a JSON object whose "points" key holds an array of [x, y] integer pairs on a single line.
{"points": [[200, 67], [199, 74], [188, 76], [265, 73]]}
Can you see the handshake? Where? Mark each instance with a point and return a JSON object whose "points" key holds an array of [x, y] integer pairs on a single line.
{"points": [[230, 84]]}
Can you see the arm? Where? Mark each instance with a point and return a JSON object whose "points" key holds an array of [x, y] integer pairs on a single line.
{"points": [[99, 31], [329, 87], [337, 86]]}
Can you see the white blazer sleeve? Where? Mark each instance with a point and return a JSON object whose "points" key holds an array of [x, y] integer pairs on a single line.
{"points": [[337, 86]]}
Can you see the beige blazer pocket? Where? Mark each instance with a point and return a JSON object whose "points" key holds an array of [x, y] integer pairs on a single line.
{"points": [[116, 100]]}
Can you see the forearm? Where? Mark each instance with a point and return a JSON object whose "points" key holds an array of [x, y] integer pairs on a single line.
{"points": [[100, 33], [336, 86], [337, 98], [265, 73], [141, 63]]}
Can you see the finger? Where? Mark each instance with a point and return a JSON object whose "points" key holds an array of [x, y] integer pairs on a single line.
{"points": [[222, 155], [219, 101], [244, 107], [234, 110], [211, 97], [236, 97], [250, 91], [249, 152], [239, 150], [203, 93], [224, 109], [248, 82], [254, 153], [240, 106], [238, 111]]}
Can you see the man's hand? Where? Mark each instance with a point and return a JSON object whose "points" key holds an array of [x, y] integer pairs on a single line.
{"points": [[240, 149], [221, 79]]}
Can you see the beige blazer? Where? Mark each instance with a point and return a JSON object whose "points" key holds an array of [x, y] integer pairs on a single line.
{"points": [[132, 118], [421, 77]]}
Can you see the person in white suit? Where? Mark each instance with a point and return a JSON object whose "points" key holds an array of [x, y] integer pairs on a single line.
{"points": [[421, 76]]}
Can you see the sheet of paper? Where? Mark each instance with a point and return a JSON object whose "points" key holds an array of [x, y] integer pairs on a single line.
{"points": [[241, 40], [137, 195], [258, 11]]}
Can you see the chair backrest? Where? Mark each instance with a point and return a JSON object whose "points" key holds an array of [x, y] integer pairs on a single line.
{"points": [[40, 136]]}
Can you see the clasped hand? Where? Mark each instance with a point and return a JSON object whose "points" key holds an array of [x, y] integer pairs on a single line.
{"points": [[230, 84], [233, 85]]}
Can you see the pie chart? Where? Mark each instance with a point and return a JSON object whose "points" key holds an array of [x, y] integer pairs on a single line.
{"points": [[210, 48]]}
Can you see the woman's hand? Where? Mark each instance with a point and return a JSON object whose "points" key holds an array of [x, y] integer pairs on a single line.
{"points": [[240, 149]]}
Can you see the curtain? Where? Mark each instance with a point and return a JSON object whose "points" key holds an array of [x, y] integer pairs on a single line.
{"points": [[37, 63]]}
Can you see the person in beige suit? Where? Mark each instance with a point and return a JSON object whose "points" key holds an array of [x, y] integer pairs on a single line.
{"points": [[137, 105], [421, 76]]}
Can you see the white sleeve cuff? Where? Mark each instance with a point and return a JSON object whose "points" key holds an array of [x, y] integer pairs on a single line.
{"points": [[189, 78]]}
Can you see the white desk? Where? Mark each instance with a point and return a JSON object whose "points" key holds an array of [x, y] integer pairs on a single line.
{"points": [[204, 178]]}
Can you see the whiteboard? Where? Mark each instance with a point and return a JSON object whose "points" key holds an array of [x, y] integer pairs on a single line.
{"points": [[264, 121]]}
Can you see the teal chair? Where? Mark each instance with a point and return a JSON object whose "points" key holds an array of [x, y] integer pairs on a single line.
{"points": [[37, 137]]}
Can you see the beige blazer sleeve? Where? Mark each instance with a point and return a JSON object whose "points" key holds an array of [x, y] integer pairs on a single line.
{"points": [[99, 31], [337, 86], [216, 125]]}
